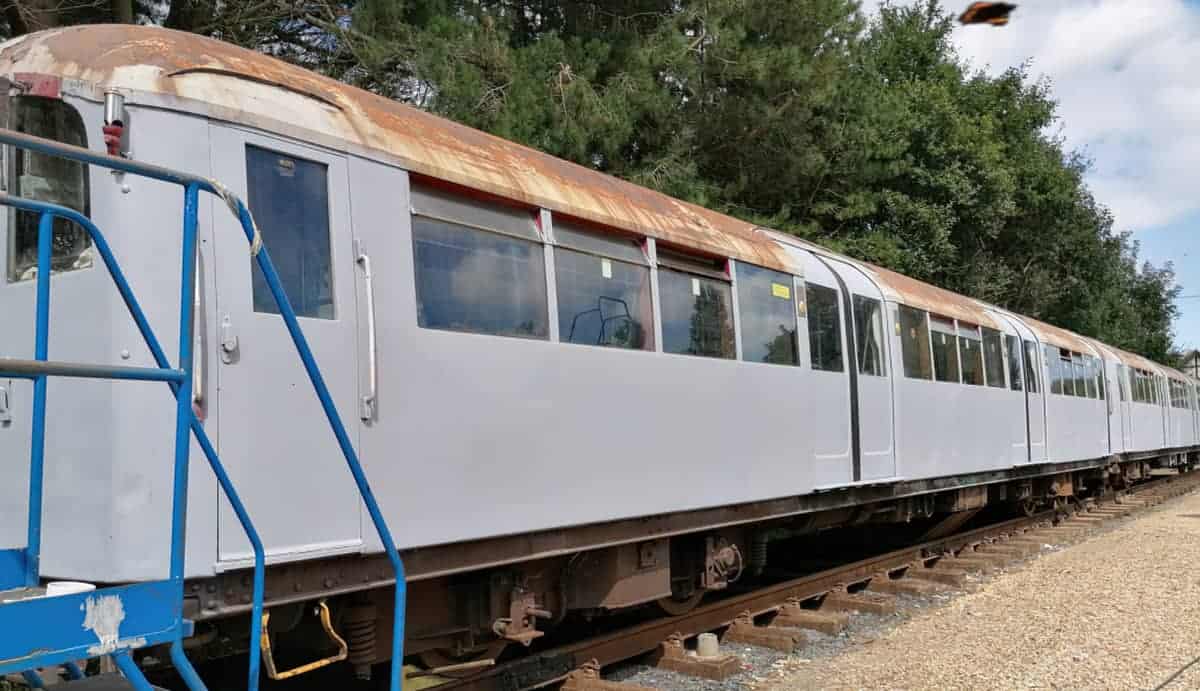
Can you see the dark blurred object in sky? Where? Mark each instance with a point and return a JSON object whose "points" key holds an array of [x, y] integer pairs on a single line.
{"points": [[994, 13]]}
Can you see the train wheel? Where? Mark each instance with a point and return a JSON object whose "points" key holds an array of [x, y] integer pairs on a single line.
{"points": [[445, 657], [1029, 507], [678, 606]]}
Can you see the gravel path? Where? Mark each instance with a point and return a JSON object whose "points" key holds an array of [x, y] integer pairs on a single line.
{"points": [[1120, 610]]}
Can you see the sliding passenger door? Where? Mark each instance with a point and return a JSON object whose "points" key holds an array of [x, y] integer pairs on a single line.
{"points": [[273, 435], [871, 371], [831, 423], [1035, 390]]}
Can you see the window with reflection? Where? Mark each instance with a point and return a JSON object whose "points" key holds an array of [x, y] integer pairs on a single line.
{"points": [[945, 349], [767, 314], [824, 327], [697, 307], [603, 286], [970, 347], [993, 357], [472, 279], [1092, 373], [1031, 367], [868, 334], [914, 342]]}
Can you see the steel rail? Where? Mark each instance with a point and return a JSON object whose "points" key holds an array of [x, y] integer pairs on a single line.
{"points": [[552, 666]]}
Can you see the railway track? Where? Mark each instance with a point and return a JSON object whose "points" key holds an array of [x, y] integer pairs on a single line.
{"points": [[775, 616]]}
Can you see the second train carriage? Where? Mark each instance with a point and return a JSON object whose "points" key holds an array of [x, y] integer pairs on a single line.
{"points": [[572, 393]]}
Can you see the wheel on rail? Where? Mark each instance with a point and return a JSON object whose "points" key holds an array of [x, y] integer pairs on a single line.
{"points": [[1029, 506], [446, 657], [676, 606]]}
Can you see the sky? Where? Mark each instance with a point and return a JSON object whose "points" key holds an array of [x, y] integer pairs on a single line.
{"points": [[1126, 74]]}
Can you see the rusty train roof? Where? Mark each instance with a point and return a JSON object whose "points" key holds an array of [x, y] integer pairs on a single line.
{"points": [[173, 63], [227, 79]]}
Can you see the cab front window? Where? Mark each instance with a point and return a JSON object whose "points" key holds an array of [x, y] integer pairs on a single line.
{"points": [[48, 179]]}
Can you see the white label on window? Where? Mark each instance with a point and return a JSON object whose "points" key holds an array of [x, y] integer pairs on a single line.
{"points": [[606, 268], [695, 286]]}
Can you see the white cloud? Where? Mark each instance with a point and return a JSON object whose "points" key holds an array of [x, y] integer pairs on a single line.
{"points": [[1126, 74]]}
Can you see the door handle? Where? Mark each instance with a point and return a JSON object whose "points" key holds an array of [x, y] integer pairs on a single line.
{"points": [[6, 405], [369, 400], [229, 341]]}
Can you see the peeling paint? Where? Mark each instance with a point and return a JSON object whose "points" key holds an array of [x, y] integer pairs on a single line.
{"points": [[103, 617]]}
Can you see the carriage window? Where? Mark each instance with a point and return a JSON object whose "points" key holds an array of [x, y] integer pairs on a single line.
{"points": [[1031, 368], [697, 315], [914, 343], [945, 349], [603, 295], [1067, 373], [289, 198], [868, 330], [1087, 368], [767, 310], [824, 336], [971, 349], [477, 281], [1054, 370], [1098, 364], [993, 358], [1122, 389], [1012, 350], [49, 179]]}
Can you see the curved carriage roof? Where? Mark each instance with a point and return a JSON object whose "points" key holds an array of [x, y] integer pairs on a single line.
{"points": [[229, 82], [173, 63]]}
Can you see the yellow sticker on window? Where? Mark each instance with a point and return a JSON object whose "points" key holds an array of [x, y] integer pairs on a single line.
{"points": [[781, 291]]}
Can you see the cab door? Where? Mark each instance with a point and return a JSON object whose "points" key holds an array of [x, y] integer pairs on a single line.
{"points": [[273, 435]]}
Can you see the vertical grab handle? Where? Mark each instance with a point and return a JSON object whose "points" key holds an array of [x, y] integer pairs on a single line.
{"points": [[369, 400], [198, 350]]}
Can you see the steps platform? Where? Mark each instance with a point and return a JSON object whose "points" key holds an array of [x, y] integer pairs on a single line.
{"points": [[37, 631]]}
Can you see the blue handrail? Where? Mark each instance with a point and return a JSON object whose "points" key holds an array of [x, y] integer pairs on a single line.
{"points": [[185, 420]]}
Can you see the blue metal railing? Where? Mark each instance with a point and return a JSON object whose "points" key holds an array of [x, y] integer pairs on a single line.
{"points": [[180, 382]]}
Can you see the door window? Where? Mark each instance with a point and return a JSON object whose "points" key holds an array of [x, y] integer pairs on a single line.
{"points": [[289, 198], [868, 330], [824, 337], [1031, 368], [1012, 350]]}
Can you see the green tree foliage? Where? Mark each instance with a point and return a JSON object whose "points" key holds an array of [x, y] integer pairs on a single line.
{"points": [[872, 137]]}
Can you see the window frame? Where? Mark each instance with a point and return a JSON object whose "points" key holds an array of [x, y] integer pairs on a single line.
{"points": [[599, 244], [437, 203], [946, 327], [1034, 376], [904, 348], [999, 337], [700, 268]]}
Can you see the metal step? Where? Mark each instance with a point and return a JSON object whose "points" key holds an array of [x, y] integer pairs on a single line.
{"points": [[103, 682]]}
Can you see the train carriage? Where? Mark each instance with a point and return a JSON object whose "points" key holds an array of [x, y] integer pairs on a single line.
{"points": [[571, 394]]}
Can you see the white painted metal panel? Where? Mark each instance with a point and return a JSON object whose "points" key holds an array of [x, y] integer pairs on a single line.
{"points": [[275, 442], [875, 421], [830, 425]]}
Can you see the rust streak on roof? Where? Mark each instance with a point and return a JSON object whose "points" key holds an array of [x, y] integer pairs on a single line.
{"points": [[1048, 333], [162, 61], [931, 298]]}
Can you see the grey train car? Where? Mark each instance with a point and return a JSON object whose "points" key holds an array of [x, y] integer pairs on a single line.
{"points": [[582, 395]]}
